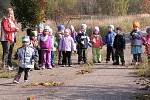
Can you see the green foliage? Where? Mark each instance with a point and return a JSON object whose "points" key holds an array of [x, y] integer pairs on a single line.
{"points": [[28, 12], [4, 4]]}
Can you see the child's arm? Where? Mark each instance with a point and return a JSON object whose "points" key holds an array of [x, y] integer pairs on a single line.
{"points": [[35, 57]]}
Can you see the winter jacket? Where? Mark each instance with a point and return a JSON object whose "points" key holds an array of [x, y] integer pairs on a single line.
{"points": [[96, 41], [119, 42], [82, 41], [136, 37], [147, 44], [7, 30], [27, 56], [45, 42], [109, 38], [66, 44]]}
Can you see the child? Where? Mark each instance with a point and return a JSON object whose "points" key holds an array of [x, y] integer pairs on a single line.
{"points": [[46, 47], [66, 45], [109, 40], [73, 33], [60, 34], [54, 46], [147, 44], [34, 43], [119, 46], [97, 44], [136, 43], [82, 44], [27, 56], [40, 28]]}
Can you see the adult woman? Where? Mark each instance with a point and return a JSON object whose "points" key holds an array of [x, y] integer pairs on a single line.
{"points": [[8, 29]]}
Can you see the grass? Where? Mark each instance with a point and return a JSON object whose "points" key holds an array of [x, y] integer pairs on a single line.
{"points": [[7, 74], [142, 97], [144, 69]]}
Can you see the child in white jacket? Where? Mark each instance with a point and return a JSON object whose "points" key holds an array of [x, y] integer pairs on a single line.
{"points": [[28, 58]]}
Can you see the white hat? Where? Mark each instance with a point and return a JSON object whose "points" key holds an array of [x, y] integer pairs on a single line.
{"points": [[111, 26], [47, 28], [83, 26], [50, 30], [25, 39], [96, 28]]}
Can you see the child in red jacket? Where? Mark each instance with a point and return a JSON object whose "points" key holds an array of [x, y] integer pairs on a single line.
{"points": [[97, 44]]}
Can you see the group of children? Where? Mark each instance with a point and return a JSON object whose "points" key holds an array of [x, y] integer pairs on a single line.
{"points": [[38, 49]]}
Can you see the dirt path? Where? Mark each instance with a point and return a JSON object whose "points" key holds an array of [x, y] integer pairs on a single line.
{"points": [[106, 82]]}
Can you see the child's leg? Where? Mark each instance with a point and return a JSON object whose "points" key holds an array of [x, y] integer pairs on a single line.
{"points": [[26, 71], [113, 54], [69, 57], [148, 59], [85, 55], [94, 55], [40, 60], [43, 58], [116, 61], [17, 77], [60, 58], [122, 57], [48, 59], [135, 58], [139, 57], [52, 57], [64, 58], [98, 54], [79, 55], [108, 53]]}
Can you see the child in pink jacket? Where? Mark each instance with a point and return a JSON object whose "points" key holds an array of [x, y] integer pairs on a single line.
{"points": [[147, 44]]}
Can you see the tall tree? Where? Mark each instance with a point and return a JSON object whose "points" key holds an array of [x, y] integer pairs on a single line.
{"points": [[28, 12]]}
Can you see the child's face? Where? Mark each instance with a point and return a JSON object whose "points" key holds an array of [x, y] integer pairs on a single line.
{"points": [[33, 38], [110, 29], [82, 29], [135, 28], [40, 30], [50, 33], [46, 32], [24, 43], [118, 31], [96, 32], [67, 33]]}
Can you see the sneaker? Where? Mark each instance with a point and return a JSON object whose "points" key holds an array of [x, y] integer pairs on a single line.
{"points": [[123, 64], [115, 63], [25, 80], [36, 68], [43, 67], [99, 61], [10, 68], [50, 67], [16, 82], [63, 65], [69, 65]]}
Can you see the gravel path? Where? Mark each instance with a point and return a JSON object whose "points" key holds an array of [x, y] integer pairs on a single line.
{"points": [[106, 82]]}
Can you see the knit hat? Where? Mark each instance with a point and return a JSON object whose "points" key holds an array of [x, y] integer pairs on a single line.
{"points": [[84, 26], [25, 39], [40, 26], [136, 24], [33, 33], [50, 30], [148, 30], [61, 27], [96, 28], [111, 26], [47, 28]]}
